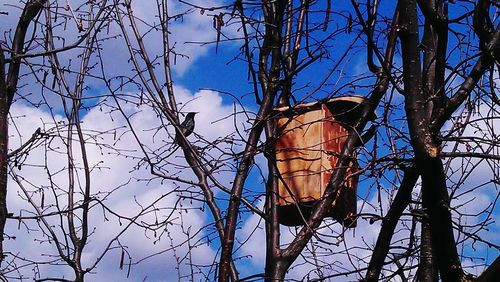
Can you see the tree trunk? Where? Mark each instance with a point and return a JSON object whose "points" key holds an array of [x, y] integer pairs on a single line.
{"points": [[427, 270], [4, 147], [276, 271], [436, 203]]}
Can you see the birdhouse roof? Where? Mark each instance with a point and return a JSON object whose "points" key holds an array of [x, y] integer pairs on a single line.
{"points": [[343, 108]]}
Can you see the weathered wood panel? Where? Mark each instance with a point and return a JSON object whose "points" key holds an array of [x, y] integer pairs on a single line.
{"points": [[307, 151]]}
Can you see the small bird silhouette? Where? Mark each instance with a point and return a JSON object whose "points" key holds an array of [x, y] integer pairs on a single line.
{"points": [[186, 127]]}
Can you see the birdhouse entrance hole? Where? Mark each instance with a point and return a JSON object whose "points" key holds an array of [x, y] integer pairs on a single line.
{"points": [[311, 139]]}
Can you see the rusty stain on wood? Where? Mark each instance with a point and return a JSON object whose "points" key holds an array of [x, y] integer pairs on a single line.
{"points": [[307, 152]]}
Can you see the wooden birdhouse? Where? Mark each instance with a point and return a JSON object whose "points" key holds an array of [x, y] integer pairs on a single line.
{"points": [[310, 142]]}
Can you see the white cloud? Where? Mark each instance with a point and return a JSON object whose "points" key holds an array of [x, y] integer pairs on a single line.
{"points": [[115, 183], [189, 32], [191, 27]]}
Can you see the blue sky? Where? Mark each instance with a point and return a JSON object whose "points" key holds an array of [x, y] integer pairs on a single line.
{"points": [[206, 69]]}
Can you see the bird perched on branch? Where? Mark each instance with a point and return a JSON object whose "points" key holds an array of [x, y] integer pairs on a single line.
{"points": [[186, 127]]}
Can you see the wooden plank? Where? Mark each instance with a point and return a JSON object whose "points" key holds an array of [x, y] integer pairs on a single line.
{"points": [[307, 152], [298, 155]]}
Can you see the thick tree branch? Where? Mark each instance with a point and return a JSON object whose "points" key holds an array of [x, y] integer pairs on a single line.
{"points": [[421, 137], [491, 273], [273, 13], [484, 62], [482, 22], [31, 9], [435, 196], [389, 223]]}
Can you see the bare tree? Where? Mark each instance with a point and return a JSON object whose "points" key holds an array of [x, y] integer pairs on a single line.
{"points": [[292, 36], [59, 210], [428, 162]]}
